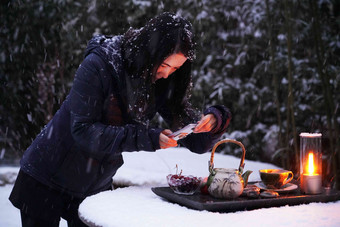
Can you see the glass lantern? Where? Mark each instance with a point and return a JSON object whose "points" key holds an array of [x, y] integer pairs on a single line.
{"points": [[310, 163]]}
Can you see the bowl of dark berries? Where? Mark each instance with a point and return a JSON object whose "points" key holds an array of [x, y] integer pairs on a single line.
{"points": [[184, 185]]}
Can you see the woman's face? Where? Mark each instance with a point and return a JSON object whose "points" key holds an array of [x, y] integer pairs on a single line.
{"points": [[169, 65]]}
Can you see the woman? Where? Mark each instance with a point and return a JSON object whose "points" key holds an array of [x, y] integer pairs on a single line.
{"points": [[119, 87]]}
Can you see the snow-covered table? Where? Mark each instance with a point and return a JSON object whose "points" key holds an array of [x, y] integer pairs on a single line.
{"points": [[138, 206]]}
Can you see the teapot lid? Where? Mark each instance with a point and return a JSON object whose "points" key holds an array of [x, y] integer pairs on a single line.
{"points": [[226, 170]]}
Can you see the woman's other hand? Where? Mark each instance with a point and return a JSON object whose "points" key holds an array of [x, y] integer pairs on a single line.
{"points": [[206, 124], [165, 141]]}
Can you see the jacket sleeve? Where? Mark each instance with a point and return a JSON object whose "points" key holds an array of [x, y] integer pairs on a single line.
{"points": [[197, 142], [86, 100], [203, 142]]}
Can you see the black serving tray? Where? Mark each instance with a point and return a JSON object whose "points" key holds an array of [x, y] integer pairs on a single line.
{"points": [[200, 201]]}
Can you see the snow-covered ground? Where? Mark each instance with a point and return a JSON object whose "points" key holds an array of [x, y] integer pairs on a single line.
{"points": [[9, 215], [138, 206]]}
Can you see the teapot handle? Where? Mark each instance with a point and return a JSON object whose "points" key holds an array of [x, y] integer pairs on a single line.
{"points": [[211, 162]]}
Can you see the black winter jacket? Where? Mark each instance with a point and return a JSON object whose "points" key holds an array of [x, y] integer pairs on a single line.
{"points": [[80, 149]]}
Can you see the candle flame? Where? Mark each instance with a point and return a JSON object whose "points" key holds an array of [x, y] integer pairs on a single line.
{"points": [[310, 163]]}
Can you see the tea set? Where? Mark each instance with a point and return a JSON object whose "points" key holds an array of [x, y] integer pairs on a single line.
{"points": [[230, 183]]}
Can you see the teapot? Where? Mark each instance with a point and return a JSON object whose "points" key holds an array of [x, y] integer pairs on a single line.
{"points": [[227, 183]]}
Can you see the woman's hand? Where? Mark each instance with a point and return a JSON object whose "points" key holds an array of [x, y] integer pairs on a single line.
{"points": [[165, 141], [206, 124]]}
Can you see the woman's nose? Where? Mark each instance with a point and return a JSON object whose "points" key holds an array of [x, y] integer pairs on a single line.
{"points": [[166, 73]]}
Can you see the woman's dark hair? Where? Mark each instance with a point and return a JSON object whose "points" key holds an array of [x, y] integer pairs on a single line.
{"points": [[145, 49]]}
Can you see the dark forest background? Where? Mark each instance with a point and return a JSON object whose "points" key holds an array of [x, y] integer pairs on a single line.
{"points": [[275, 64]]}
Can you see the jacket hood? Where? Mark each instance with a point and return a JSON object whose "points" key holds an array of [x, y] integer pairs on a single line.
{"points": [[108, 48]]}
